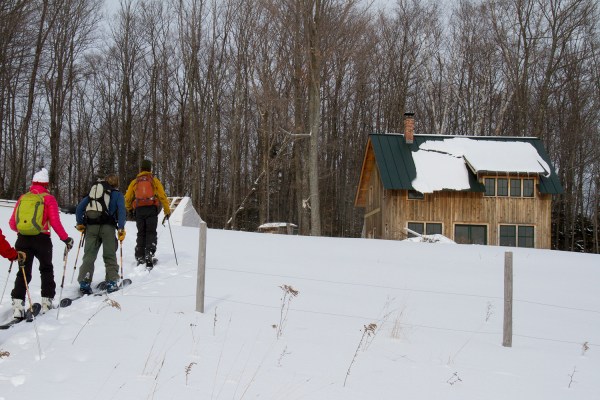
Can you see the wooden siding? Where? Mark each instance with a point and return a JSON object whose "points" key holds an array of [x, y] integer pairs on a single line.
{"points": [[451, 208], [373, 206], [365, 177]]}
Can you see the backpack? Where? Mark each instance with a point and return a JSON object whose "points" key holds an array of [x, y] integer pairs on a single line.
{"points": [[144, 191], [30, 213], [96, 212]]}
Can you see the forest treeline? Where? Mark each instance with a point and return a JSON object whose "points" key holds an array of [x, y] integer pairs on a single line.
{"points": [[260, 109]]}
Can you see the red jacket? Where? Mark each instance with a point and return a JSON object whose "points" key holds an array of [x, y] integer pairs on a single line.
{"points": [[50, 213], [6, 250]]}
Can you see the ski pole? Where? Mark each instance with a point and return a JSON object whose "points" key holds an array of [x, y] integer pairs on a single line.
{"points": [[62, 283], [171, 233], [9, 269], [77, 256], [30, 317], [121, 249]]}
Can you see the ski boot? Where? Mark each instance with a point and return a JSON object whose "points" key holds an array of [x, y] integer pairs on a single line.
{"points": [[111, 286], [18, 308], [85, 287], [46, 304]]}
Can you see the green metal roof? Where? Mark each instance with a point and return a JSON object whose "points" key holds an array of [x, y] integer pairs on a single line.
{"points": [[397, 167]]}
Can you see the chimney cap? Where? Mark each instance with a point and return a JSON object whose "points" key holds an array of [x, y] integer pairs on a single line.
{"points": [[409, 114]]}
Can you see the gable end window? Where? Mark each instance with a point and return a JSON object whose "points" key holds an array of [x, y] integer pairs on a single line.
{"points": [[528, 186], [414, 195], [509, 187], [490, 186], [515, 188], [502, 189]]}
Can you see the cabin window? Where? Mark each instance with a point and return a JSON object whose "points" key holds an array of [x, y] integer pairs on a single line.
{"points": [[433, 228], [414, 195], [508, 235], [526, 236], [515, 188], [528, 187], [490, 186], [425, 228], [502, 189], [418, 227], [470, 234], [517, 236]]}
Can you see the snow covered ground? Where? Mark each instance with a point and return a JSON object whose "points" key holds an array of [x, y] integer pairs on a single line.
{"points": [[437, 307]]}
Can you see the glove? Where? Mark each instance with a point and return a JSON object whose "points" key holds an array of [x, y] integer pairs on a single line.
{"points": [[167, 215], [121, 235], [69, 242], [21, 256], [80, 228]]}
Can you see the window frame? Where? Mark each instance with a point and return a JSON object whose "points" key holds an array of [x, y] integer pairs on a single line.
{"points": [[419, 231], [415, 195], [512, 188], [526, 237], [470, 227], [504, 192], [428, 224], [424, 229], [503, 237], [532, 187], [491, 186], [526, 187], [522, 240]]}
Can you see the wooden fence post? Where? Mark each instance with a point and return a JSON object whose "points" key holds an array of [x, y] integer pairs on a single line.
{"points": [[508, 299], [201, 267]]}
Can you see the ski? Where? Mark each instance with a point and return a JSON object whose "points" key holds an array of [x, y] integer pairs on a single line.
{"points": [[67, 301], [37, 307]]}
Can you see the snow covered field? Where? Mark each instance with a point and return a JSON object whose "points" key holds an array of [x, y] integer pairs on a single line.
{"points": [[437, 310]]}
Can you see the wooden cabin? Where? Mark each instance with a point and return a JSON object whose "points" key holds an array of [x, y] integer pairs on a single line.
{"points": [[473, 190]]}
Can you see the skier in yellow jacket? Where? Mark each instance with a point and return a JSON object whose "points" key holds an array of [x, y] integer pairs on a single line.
{"points": [[144, 197]]}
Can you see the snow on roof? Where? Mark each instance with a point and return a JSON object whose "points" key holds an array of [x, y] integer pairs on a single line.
{"points": [[442, 164], [277, 225]]}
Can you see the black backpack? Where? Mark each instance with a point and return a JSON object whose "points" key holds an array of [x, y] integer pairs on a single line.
{"points": [[96, 212]]}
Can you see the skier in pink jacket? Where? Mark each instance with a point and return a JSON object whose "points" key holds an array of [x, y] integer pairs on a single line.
{"points": [[38, 246]]}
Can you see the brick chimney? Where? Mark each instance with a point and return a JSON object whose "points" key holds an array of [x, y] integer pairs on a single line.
{"points": [[409, 128]]}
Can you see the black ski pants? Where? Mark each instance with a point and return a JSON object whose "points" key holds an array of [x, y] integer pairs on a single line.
{"points": [[146, 220], [40, 247]]}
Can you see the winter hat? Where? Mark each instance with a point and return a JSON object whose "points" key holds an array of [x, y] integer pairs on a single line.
{"points": [[41, 177], [146, 165]]}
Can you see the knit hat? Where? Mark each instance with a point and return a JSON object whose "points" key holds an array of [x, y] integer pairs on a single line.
{"points": [[41, 177], [146, 165]]}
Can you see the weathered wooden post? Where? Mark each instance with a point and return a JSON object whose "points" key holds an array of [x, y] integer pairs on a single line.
{"points": [[201, 267], [508, 299]]}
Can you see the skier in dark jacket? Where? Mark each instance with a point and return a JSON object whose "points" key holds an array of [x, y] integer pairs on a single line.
{"points": [[101, 232]]}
